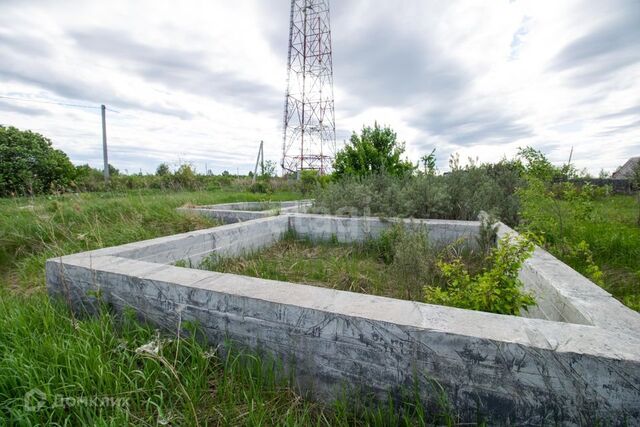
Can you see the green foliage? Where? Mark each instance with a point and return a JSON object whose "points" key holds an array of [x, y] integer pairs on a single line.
{"points": [[462, 194], [30, 165], [163, 169], [376, 150], [33, 230], [268, 169], [113, 171], [412, 259], [185, 177], [589, 229], [538, 166], [263, 187], [429, 163], [496, 289], [635, 180], [397, 264], [311, 181]]}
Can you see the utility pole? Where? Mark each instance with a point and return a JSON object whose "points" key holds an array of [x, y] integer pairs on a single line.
{"points": [[259, 159], [104, 143]]}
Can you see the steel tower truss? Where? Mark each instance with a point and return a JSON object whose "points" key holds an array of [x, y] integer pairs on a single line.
{"points": [[309, 118]]}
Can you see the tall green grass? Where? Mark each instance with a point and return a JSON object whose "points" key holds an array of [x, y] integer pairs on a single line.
{"points": [[95, 371], [613, 237], [398, 264], [34, 229], [48, 356]]}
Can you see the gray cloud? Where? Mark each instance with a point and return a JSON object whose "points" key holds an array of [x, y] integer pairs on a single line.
{"points": [[13, 106], [612, 46], [26, 43], [618, 130], [464, 126], [631, 111], [385, 65], [380, 64], [185, 69], [395, 70]]}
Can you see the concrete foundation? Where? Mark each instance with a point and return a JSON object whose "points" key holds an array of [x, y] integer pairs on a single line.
{"points": [[229, 213], [574, 360]]}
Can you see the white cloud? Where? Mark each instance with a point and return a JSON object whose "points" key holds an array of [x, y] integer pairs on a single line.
{"points": [[203, 81]]}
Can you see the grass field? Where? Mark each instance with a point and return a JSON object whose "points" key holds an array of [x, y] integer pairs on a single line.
{"points": [[613, 236], [44, 348], [32, 230], [66, 362], [363, 267]]}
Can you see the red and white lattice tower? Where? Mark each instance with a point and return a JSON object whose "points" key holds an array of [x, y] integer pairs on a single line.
{"points": [[309, 119]]}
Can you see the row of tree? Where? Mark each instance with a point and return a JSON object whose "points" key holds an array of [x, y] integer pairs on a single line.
{"points": [[30, 165]]}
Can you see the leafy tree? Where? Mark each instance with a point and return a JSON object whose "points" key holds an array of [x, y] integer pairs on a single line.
{"points": [[375, 150], [30, 165], [429, 162], [163, 169], [538, 166], [268, 169]]}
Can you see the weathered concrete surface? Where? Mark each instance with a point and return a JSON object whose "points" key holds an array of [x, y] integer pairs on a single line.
{"points": [[564, 295], [511, 369], [358, 229], [229, 213]]}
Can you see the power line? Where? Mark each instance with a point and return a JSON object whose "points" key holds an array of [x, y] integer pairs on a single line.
{"points": [[55, 103]]}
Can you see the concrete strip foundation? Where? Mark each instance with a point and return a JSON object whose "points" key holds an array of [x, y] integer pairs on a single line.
{"points": [[229, 213], [575, 368]]}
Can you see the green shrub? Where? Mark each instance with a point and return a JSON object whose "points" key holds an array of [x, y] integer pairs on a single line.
{"points": [[462, 194], [186, 178], [496, 289], [635, 181], [163, 169], [413, 259], [263, 187], [376, 150], [30, 165]]}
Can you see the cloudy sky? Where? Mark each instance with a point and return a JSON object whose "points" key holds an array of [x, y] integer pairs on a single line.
{"points": [[204, 81]]}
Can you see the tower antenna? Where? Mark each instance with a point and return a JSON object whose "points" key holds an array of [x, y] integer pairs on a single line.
{"points": [[309, 117]]}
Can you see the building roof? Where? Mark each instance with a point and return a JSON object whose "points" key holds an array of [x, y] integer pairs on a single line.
{"points": [[626, 171]]}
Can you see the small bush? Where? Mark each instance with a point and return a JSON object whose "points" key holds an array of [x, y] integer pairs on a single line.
{"points": [[310, 181], [496, 289], [263, 187]]}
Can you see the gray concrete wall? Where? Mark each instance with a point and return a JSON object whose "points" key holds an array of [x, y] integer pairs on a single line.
{"points": [[358, 229], [229, 213], [228, 241], [512, 369], [509, 369], [564, 295]]}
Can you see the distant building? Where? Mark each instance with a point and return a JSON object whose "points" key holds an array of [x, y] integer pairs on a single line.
{"points": [[626, 171]]}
